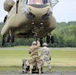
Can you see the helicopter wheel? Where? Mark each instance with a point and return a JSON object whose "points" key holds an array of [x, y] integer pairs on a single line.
{"points": [[52, 39], [3, 41], [48, 39], [8, 38]]}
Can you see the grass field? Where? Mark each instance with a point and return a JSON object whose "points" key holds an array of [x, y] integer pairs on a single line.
{"points": [[60, 56], [63, 59]]}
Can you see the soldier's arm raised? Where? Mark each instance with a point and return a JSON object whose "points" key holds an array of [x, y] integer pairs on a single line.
{"points": [[38, 44]]}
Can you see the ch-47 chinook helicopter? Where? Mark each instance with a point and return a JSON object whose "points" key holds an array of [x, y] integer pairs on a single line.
{"points": [[28, 19]]}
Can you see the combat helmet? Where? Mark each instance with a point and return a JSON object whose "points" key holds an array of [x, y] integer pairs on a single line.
{"points": [[45, 44]]}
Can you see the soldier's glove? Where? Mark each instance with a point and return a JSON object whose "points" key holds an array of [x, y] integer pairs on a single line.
{"points": [[50, 58]]}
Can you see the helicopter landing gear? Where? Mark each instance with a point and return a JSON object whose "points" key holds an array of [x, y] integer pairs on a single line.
{"points": [[3, 41], [7, 38], [50, 38], [12, 38], [41, 42]]}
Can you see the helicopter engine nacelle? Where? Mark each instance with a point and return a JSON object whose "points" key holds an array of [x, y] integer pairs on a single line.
{"points": [[8, 4]]}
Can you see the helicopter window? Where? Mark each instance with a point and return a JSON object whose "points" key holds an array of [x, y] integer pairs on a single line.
{"points": [[38, 1], [45, 1]]}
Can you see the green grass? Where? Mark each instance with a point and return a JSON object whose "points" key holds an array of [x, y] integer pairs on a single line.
{"points": [[14, 56], [64, 58], [10, 68]]}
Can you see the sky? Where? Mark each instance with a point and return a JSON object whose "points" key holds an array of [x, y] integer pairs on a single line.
{"points": [[64, 11]]}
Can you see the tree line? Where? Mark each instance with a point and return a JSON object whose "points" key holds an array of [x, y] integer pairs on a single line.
{"points": [[64, 36]]}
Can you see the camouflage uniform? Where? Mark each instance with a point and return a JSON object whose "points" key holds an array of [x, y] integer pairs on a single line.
{"points": [[25, 63], [46, 56], [34, 55]]}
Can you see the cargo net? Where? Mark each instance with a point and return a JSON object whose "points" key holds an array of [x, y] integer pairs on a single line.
{"points": [[54, 2]]}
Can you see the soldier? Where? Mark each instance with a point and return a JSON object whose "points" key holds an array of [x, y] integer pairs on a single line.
{"points": [[25, 66], [46, 56], [34, 56]]}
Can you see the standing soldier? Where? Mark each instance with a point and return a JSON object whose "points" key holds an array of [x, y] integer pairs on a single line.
{"points": [[34, 56], [46, 56]]}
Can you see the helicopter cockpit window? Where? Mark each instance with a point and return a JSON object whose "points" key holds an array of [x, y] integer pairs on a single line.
{"points": [[38, 1]]}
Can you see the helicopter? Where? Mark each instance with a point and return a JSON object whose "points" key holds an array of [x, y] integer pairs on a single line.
{"points": [[29, 19]]}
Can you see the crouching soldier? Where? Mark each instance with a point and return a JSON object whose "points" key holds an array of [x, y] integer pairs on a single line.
{"points": [[34, 56], [46, 56], [25, 66]]}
